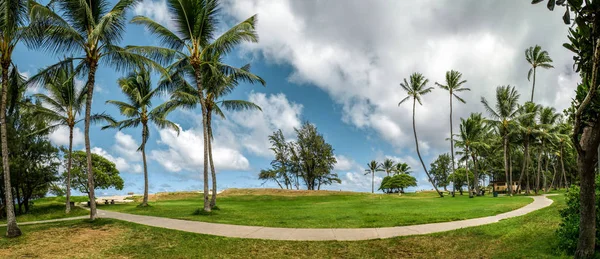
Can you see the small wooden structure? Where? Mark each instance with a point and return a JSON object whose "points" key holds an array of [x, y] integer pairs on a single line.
{"points": [[503, 186]]}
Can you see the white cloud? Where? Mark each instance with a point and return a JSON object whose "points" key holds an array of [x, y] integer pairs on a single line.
{"points": [[156, 10], [126, 146], [121, 163], [60, 136]]}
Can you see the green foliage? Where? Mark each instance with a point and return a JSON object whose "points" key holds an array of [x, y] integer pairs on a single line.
{"points": [[397, 183], [441, 168], [106, 174]]}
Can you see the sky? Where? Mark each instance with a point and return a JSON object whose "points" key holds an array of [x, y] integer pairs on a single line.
{"points": [[337, 64]]}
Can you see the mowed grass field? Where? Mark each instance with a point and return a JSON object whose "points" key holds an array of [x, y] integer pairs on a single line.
{"points": [[529, 236], [51, 208], [323, 209]]}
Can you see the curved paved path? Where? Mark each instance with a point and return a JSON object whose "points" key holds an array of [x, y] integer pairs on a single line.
{"points": [[312, 234]]}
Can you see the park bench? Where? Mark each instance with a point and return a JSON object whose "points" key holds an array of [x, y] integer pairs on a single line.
{"points": [[106, 201]]}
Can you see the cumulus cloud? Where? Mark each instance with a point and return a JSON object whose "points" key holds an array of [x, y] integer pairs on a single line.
{"points": [[121, 163], [60, 136], [156, 10], [127, 147]]}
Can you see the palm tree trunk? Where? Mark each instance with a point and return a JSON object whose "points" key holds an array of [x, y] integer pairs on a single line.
{"points": [[553, 176], [144, 136], [452, 144], [205, 135], [505, 146], [533, 87], [539, 164], [12, 229], [88, 111], [562, 165], [546, 158], [524, 169], [419, 153], [69, 163], [372, 181], [475, 175], [213, 198], [510, 172], [467, 174]]}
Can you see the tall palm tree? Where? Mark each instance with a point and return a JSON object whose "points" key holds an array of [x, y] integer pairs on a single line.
{"points": [[195, 45], [527, 128], [536, 58], [547, 129], [13, 18], [388, 166], [503, 114], [415, 89], [92, 30], [453, 85], [218, 84], [61, 107], [470, 139], [563, 134], [137, 86], [373, 167], [402, 168]]}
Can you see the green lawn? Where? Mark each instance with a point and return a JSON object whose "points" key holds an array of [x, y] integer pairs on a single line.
{"points": [[529, 236], [343, 210], [51, 208]]}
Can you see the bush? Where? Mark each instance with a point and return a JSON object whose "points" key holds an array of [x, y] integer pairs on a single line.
{"points": [[568, 231]]}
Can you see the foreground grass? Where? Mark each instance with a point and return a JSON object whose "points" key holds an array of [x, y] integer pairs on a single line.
{"points": [[333, 210], [51, 208], [529, 236]]}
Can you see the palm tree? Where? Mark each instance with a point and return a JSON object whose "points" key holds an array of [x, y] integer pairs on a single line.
{"points": [[92, 29], [563, 134], [536, 58], [548, 118], [402, 168], [527, 128], [415, 89], [137, 86], [453, 85], [503, 114], [13, 17], [196, 49], [218, 84], [470, 139], [388, 166], [61, 107], [373, 167]]}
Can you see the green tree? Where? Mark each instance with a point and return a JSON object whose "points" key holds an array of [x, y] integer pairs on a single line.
{"points": [[441, 168], [453, 85], [536, 57], [92, 30], [13, 19], [397, 183], [402, 168], [388, 166], [313, 157], [137, 87], [527, 128], [470, 139], [106, 174], [547, 119], [373, 167], [195, 45], [503, 114], [415, 90]]}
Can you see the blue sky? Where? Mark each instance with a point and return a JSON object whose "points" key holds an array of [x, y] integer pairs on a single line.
{"points": [[339, 67]]}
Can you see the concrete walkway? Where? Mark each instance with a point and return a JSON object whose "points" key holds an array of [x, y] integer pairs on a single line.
{"points": [[313, 234]]}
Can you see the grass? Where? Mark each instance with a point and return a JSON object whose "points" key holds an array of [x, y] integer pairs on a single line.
{"points": [[51, 208], [529, 236], [297, 209]]}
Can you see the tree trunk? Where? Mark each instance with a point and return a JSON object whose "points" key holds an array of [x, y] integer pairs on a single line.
{"points": [[88, 111], [562, 165], [12, 229], [525, 162], [539, 165], [475, 175], [510, 172], [505, 145], [533, 87], [213, 198], [546, 158], [205, 135], [467, 174], [452, 144], [372, 181], [144, 136], [554, 177], [69, 163], [419, 153]]}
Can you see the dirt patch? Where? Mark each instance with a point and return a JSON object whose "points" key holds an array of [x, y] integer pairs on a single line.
{"points": [[65, 242]]}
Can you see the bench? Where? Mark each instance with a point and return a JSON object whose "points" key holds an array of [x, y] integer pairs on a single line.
{"points": [[106, 201]]}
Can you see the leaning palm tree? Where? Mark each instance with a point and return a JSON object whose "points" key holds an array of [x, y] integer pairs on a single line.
{"points": [[373, 167], [527, 129], [388, 166], [503, 114], [402, 168], [137, 86], [563, 133], [415, 89], [195, 46], [453, 85], [92, 30], [470, 138], [536, 58], [547, 129]]}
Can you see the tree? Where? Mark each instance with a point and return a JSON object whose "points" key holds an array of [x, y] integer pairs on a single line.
{"points": [[13, 17], [137, 86], [453, 85], [470, 139], [536, 58], [547, 119], [270, 175], [527, 129], [503, 114], [397, 183], [196, 49], [415, 89], [106, 174], [218, 84], [373, 167], [388, 166], [441, 168], [91, 29], [402, 168]]}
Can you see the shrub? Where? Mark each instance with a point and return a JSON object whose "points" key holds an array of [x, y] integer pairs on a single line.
{"points": [[568, 231]]}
